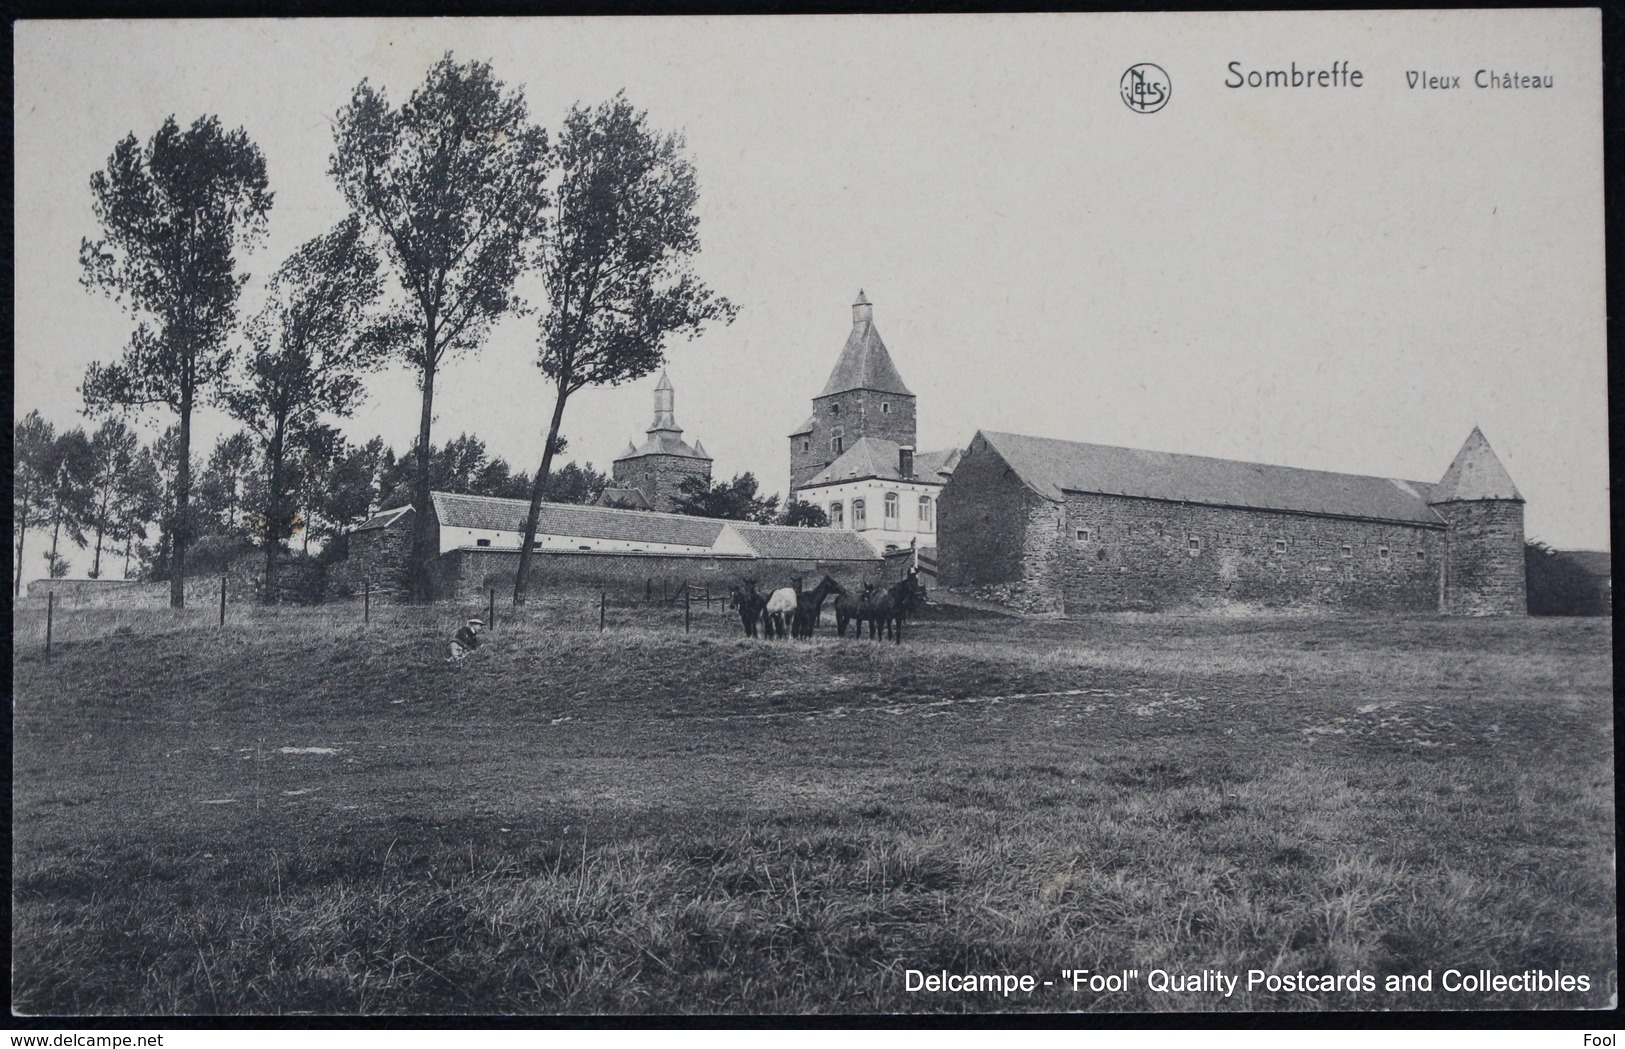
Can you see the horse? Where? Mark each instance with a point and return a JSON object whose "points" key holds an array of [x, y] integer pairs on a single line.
{"points": [[809, 605], [781, 608], [849, 608], [751, 605], [891, 606]]}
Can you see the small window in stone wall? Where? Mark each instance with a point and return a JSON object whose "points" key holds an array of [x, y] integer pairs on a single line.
{"points": [[482, 542], [1195, 545], [1280, 546], [1348, 551], [1083, 535], [806, 444], [1421, 555], [1382, 552], [885, 407]]}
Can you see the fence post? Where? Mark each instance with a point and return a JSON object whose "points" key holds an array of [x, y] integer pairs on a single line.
{"points": [[601, 594], [222, 600], [492, 615], [50, 609], [366, 603], [685, 611]]}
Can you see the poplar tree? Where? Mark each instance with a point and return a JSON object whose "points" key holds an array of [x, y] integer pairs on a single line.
{"points": [[174, 213], [452, 184]]}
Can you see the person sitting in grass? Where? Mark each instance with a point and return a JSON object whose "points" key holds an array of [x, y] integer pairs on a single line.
{"points": [[467, 640]]}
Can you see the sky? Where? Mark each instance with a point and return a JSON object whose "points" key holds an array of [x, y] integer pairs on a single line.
{"points": [[1339, 278]]}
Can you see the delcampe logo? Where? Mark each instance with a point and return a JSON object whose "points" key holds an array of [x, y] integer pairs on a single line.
{"points": [[1145, 87]]}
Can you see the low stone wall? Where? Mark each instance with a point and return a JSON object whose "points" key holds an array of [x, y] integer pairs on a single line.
{"points": [[467, 573], [101, 593]]}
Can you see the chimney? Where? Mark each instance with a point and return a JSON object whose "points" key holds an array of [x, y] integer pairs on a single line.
{"points": [[905, 462], [862, 312]]}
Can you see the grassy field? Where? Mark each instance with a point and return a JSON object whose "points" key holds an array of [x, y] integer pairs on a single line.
{"points": [[300, 814]]}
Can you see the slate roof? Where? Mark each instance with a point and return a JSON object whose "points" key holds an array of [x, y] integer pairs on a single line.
{"points": [[1051, 467], [626, 498], [864, 364], [1476, 474], [806, 427], [812, 544], [589, 522], [383, 519], [877, 457], [665, 442]]}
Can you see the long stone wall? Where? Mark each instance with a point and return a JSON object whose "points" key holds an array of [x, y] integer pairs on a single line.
{"points": [[1149, 555], [467, 573]]}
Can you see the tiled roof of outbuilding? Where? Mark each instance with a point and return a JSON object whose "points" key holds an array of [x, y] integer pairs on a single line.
{"points": [[382, 519], [811, 544], [591, 522], [1051, 467]]}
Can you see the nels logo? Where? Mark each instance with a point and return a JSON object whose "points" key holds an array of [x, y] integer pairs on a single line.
{"points": [[1145, 87]]}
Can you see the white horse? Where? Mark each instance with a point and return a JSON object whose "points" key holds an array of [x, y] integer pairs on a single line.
{"points": [[781, 609]]}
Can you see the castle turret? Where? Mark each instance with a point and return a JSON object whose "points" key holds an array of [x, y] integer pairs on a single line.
{"points": [[1483, 515], [864, 397], [658, 466]]}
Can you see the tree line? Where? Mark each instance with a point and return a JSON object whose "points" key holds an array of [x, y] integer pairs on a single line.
{"points": [[109, 494], [452, 193]]}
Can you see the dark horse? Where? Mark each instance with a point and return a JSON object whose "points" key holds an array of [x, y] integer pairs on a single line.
{"points": [[849, 608], [810, 605], [752, 606], [888, 608]]}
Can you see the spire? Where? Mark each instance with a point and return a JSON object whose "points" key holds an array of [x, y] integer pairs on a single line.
{"points": [[631, 450], [665, 407], [864, 363], [1475, 474]]}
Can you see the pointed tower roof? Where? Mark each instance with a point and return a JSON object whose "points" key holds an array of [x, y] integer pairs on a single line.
{"points": [[665, 437], [1476, 474], [864, 363]]}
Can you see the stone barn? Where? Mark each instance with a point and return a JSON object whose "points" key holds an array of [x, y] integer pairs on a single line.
{"points": [[1050, 526]]}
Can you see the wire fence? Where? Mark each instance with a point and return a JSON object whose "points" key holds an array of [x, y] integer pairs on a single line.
{"points": [[45, 624]]}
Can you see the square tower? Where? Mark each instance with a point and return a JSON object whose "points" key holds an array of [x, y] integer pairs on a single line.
{"points": [[864, 397]]}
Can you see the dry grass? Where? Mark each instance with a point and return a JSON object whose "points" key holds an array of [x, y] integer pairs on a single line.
{"points": [[648, 821]]}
